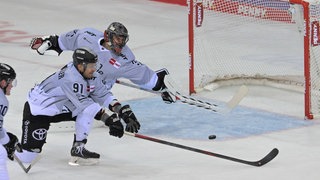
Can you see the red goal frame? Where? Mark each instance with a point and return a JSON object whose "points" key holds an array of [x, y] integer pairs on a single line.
{"points": [[195, 7]]}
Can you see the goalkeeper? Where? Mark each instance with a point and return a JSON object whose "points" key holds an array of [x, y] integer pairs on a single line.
{"points": [[115, 58]]}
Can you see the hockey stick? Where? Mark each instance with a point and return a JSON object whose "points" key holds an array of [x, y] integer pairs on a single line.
{"points": [[235, 100], [26, 169], [238, 96], [271, 155]]}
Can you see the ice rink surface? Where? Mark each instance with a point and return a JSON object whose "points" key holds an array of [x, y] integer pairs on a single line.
{"points": [[265, 119]]}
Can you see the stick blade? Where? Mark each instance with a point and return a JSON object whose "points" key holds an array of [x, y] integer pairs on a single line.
{"points": [[271, 155], [27, 168], [240, 94]]}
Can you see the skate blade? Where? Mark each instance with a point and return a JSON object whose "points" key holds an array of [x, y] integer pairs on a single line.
{"points": [[78, 161]]}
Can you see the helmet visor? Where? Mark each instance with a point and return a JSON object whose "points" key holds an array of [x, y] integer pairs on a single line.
{"points": [[119, 41], [13, 82]]}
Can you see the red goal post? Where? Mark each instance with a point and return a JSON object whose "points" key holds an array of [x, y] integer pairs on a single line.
{"points": [[269, 42]]}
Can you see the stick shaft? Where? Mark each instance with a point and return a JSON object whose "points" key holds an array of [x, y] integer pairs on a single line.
{"points": [[179, 97], [261, 162]]}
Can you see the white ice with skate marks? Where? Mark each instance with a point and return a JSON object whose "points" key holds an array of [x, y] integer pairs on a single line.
{"points": [[78, 161], [245, 132]]}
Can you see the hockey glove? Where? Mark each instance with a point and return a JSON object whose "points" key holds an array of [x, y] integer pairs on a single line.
{"points": [[12, 145], [114, 123], [160, 86], [130, 119], [42, 44], [166, 97]]}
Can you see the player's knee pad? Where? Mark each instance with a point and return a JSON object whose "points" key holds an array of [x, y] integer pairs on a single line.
{"points": [[33, 136], [34, 130]]}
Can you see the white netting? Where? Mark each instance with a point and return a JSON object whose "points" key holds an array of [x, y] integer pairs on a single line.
{"points": [[254, 41], [235, 40]]}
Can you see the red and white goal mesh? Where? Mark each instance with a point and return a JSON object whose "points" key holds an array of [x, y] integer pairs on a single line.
{"points": [[268, 42]]}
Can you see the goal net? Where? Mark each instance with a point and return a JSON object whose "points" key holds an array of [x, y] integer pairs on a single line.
{"points": [[269, 42]]}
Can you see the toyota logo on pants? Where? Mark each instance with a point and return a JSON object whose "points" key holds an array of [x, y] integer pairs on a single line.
{"points": [[39, 134]]}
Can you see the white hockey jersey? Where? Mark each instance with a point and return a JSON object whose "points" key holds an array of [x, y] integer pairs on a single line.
{"points": [[110, 66], [67, 91], [4, 105]]}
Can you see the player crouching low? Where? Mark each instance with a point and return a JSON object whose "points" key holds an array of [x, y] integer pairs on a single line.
{"points": [[72, 94]]}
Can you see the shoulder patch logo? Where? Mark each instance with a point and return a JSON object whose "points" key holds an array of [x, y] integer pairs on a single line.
{"points": [[114, 63]]}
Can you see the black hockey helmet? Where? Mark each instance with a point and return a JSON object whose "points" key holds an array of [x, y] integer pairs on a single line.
{"points": [[7, 73], [84, 56], [116, 29]]}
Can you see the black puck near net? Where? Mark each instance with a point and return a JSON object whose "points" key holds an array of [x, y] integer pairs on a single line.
{"points": [[212, 136]]}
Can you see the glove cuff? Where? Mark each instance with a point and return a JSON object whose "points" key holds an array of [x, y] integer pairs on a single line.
{"points": [[115, 106]]}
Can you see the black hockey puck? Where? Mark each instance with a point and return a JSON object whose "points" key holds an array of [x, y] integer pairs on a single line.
{"points": [[212, 136]]}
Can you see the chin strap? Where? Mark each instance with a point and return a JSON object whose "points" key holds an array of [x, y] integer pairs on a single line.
{"points": [[84, 69]]}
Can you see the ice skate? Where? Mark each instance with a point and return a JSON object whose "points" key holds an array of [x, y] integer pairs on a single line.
{"points": [[81, 156]]}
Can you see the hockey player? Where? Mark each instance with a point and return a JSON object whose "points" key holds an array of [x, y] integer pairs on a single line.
{"points": [[116, 60], [72, 93], [8, 140]]}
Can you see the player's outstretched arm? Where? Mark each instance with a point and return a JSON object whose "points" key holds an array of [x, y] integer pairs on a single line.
{"points": [[42, 44]]}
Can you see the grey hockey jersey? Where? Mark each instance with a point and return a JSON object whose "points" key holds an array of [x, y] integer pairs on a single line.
{"points": [[66, 90], [110, 66]]}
